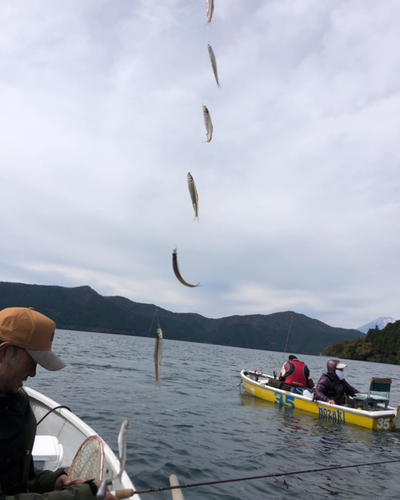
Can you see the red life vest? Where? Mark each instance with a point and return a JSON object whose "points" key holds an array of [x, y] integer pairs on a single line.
{"points": [[297, 378]]}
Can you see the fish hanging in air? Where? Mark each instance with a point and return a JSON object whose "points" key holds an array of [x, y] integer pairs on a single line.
{"points": [[122, 444], [210, 10], [194, 196], [208, 124], [176, 270], [213, 63], [158, 354]]}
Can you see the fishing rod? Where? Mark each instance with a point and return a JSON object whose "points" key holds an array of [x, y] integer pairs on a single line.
{"points": [[287, 339], [279, 474]]}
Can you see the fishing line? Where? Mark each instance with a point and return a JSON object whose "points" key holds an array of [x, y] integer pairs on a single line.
{"points": [[158, 319], [287, 339], [152, 321], [207, 27], [280, 474]]}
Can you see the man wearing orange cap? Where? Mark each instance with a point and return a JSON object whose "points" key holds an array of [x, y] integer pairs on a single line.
{"points": [[26, 337]]}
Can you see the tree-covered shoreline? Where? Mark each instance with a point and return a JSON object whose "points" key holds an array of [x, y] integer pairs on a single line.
{"points": [[380, 346]]}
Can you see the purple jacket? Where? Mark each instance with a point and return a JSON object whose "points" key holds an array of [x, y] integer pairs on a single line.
{"points": [[331, 387]]}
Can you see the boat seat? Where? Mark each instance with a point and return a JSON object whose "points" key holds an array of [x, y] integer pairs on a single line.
{"points": [[369, 403], [278, 384], [376, 397]]}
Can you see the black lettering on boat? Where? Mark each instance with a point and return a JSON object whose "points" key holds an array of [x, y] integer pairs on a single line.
{"points": [[334, 415]]}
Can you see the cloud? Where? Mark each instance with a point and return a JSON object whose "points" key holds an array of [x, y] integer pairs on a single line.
{"points": [[102, 119]]}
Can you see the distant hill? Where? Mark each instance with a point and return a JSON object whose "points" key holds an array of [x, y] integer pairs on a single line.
{"points": [[82, 308], [380, 323], [381, 346]]}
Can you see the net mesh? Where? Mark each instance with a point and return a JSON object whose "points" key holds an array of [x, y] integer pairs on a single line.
{"points": [[88, 461]]}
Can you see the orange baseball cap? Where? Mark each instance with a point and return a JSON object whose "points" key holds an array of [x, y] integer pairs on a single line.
{"points": [[34, 332]]}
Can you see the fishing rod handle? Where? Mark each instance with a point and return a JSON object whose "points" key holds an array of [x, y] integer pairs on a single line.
{"points": [[120, 494]]}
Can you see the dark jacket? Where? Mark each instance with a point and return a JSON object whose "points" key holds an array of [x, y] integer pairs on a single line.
{"points": [[331, 387], [295, 373], [17, 474]]}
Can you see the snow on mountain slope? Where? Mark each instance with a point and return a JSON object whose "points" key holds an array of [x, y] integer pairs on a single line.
{"points": [[379, 322]]}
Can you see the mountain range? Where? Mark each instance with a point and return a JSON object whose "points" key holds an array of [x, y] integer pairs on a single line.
{"points": [[82, 308]]}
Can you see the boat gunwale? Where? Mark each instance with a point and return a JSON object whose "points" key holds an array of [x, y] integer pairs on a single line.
{"points": [[391, 411], [85, 429], [62, 412]]}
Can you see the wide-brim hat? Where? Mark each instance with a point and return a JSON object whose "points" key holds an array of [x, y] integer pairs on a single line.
{"points": [[34, 332], [340, 366]]}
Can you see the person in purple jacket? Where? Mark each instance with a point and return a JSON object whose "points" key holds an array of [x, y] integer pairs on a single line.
{"points": [[332, 386]]}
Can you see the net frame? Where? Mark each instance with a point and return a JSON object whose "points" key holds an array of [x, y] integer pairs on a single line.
{"points": [[88, 461]]}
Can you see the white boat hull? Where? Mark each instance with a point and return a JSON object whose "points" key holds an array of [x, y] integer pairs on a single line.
{"points": [[71, 431]]}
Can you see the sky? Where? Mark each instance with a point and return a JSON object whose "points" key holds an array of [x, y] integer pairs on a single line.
{"points": [[101, 120]]}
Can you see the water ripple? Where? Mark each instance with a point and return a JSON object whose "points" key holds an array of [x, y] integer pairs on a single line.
{"points": [[201, 426]]}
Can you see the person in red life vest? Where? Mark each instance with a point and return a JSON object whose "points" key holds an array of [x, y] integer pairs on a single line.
{"points": [[295, 373]]}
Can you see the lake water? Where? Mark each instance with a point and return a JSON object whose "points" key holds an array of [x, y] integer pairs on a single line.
{"points": [[201, 426]]}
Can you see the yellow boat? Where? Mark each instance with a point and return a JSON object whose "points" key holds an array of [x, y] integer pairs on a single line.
{"points": [[262, 386]]}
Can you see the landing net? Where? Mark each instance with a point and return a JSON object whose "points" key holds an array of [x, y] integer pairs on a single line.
{"points": [[89, 460]]}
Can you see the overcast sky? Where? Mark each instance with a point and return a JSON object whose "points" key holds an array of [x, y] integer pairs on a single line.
{"points": [[101, 120]]}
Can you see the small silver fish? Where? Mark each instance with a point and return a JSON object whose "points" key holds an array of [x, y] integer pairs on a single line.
{"points": [[194, 196], [176, 270], [210, 10], [208, 124], [213, 63], [122, 443], [158, 353]]}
